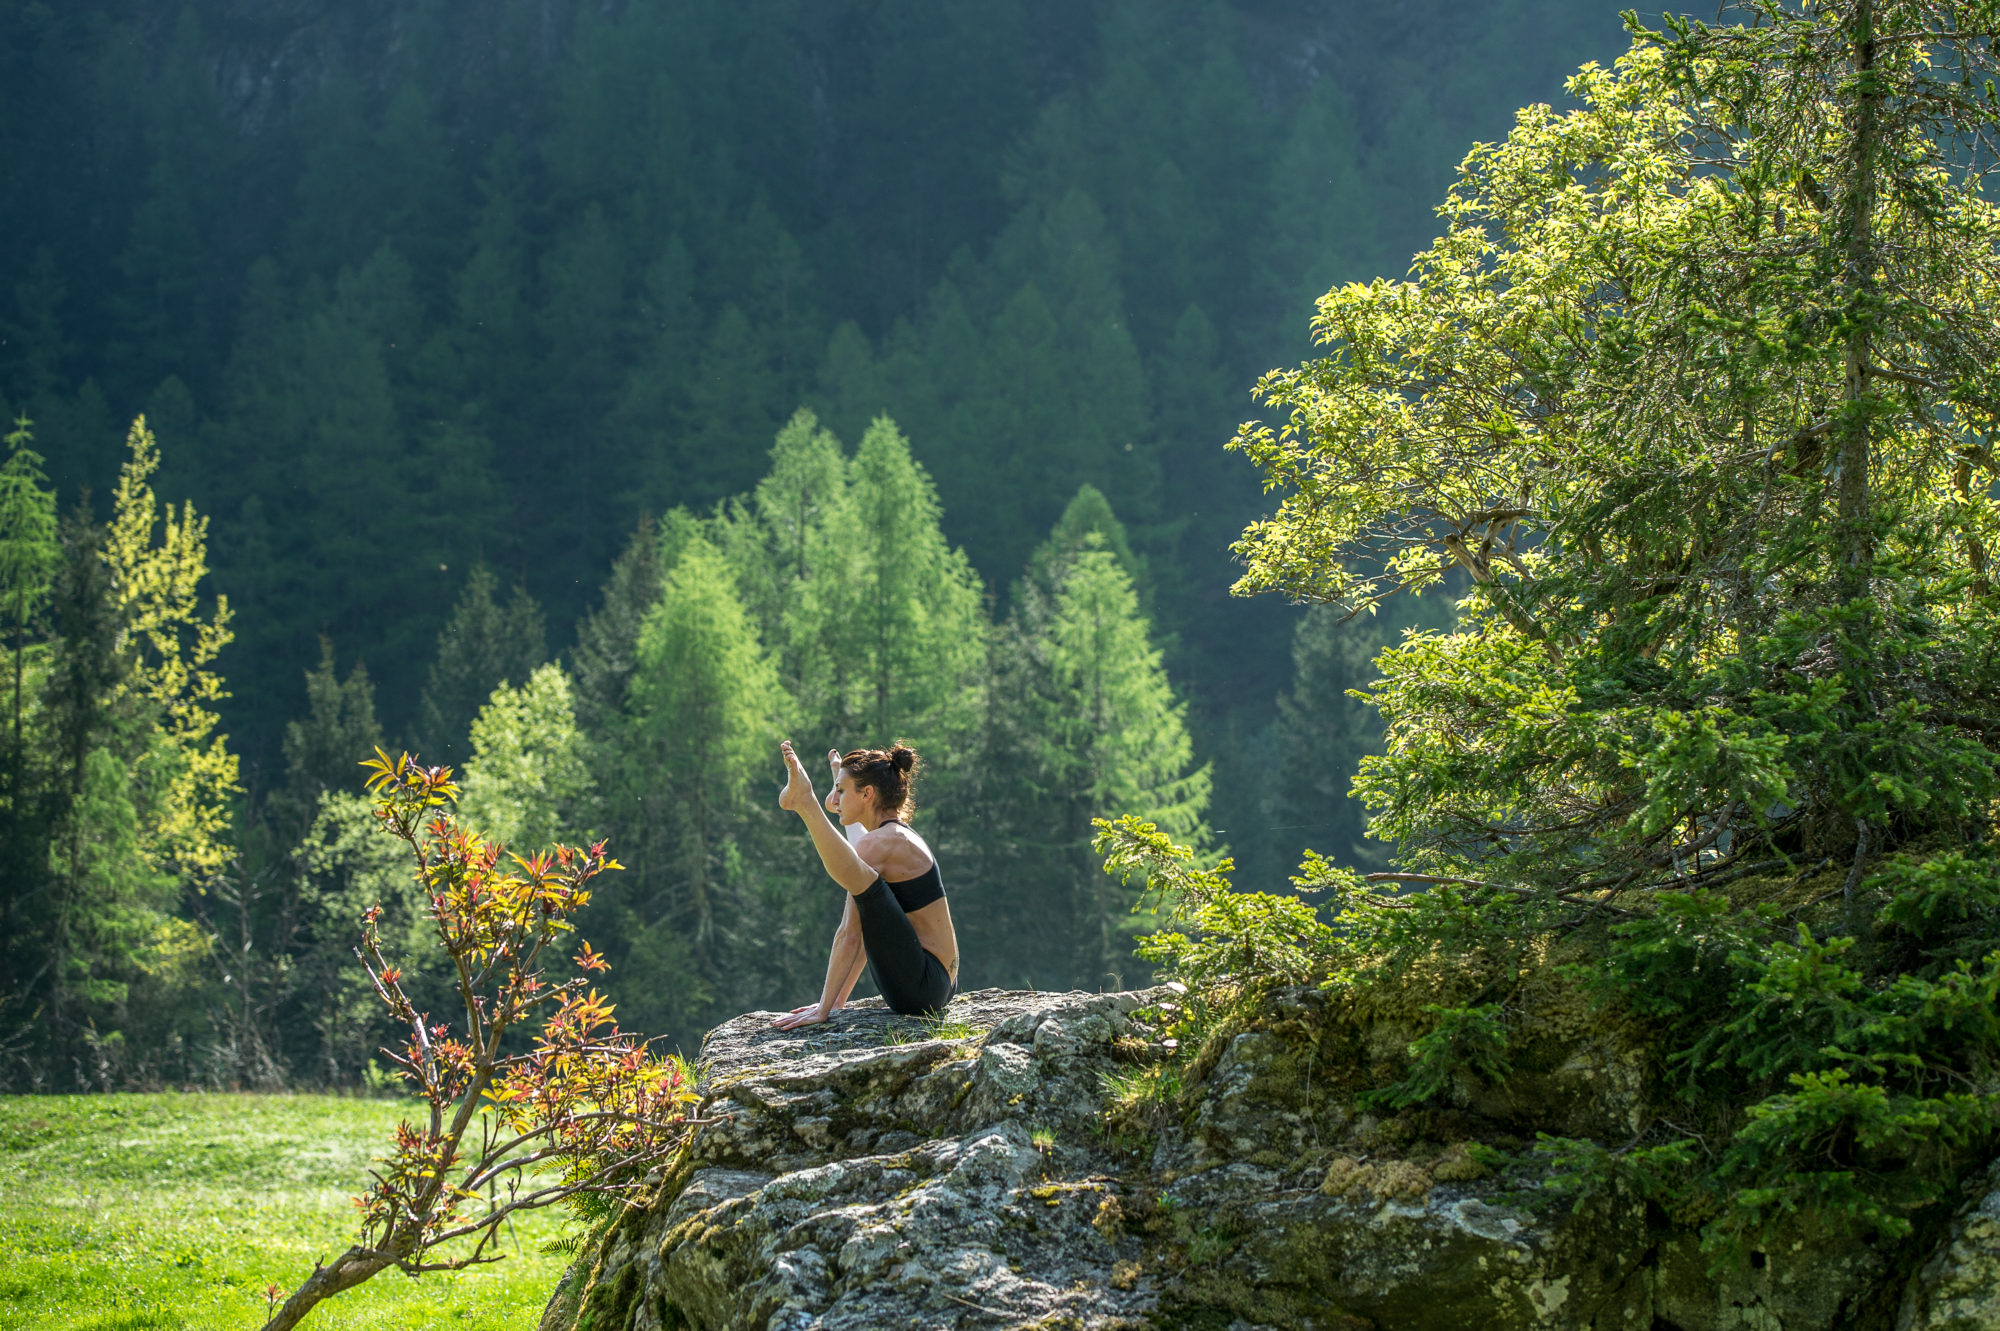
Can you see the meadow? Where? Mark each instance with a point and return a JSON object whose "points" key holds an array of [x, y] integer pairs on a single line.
{"points": [[177, 1211]]}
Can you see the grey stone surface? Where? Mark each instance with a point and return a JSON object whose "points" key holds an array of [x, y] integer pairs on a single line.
{"points": [[882, 1172]]}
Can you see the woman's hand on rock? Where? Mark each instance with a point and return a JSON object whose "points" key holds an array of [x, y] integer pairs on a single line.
{"points": [[797, 795], [809, 1015]]}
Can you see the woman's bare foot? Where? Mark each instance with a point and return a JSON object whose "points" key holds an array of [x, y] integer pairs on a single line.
{"points": [[798, 791]]}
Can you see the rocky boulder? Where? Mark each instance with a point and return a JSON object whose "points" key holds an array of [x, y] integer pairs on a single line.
{"points": [[879, 1171]]}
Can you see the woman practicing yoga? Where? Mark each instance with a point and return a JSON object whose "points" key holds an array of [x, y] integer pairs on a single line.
{"points": [[896, 918]]}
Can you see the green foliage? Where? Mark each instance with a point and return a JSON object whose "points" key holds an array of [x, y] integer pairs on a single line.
{"points": [[1944, 908], [1693, 392], [914, 630], [1082, 722], [119, 814], [701, 714], [1463, 1042], [1117, 735], [516, 307], [1241, 935], [607, 639], [528, 778], [341, 868], [795, 547]]}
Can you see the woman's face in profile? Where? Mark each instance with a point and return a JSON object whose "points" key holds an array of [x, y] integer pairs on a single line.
{"points": [[844, 800]]}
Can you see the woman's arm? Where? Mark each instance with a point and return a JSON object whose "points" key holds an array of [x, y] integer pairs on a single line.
{"points": [[843, 968], [843, 864]]}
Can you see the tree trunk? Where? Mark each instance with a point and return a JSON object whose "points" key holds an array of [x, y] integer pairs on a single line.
{"points": [[348, 1270], [1855, 543]]}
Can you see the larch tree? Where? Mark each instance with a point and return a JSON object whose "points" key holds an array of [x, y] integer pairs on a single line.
{"points": [[795, 545], [915, 630], [527, 779], [706, 706]]}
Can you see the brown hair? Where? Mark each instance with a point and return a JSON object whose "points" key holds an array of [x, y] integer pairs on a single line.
{"points": [[889, 772]]}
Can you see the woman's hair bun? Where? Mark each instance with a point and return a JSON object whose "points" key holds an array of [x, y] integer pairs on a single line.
{"points": [[889, 772]]}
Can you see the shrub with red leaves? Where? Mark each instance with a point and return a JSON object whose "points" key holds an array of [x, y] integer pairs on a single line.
{"points": [[581, 1114]]}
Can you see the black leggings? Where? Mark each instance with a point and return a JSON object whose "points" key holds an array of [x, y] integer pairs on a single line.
{"points": [[913, 982]]}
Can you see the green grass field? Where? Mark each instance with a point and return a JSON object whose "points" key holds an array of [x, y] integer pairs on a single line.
{"points": [[171, 1212]]}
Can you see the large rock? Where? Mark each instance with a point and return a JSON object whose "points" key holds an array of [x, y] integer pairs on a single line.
{"points": [[1958, 1289], [883, 1172]]}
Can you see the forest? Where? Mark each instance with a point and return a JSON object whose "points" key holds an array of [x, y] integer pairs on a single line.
{"points": [[513, 376]]}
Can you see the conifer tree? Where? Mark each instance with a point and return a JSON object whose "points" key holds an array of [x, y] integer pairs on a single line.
{"points": [[323, 749], [1324, 730], [1087, 516], [916, 626], [1117, 735], [726, 409], [706, 706], [796, 551], [28, 554], [157, 558], [482, 645], [607, 639], [1082, 721], [527, 778], [654, 395]]}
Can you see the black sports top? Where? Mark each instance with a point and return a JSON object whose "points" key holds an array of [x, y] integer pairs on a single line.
{"points": [[916, 893]]}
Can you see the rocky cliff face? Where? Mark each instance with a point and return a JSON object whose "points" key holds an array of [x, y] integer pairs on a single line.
{"points": [[882, 1172]]}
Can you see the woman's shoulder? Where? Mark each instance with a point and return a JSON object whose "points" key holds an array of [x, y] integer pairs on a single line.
{"points": [[893, 846]]}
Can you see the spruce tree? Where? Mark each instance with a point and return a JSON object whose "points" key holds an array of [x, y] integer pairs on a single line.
{"points": [[1117, 735], [1324, 731], [1082, 723], [482, 645], [607, 639], [324, 748], [28, 555]]}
